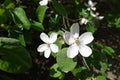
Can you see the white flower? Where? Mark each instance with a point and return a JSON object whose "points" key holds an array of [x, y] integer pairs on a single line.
{"points": [[84, 21], [43, 2], [91, 5], [48, 46], [78, 43], [96, 15]]}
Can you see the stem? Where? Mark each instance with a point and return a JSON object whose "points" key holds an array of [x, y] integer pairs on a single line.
{"points": [[68, 24], [85, 63], [73, 20], [64, 22]]}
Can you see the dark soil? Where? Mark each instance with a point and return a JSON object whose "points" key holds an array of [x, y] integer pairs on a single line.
{"points": [[111, 37]]}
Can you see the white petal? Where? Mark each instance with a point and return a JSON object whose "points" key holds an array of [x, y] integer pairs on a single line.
{"points": [[54, 48], [72, 51], [86, 38], [100, 17], [85, 51], [92, 14], [88, 9], [93, 8], [90, 3], [53, 37], [75, 30], [43, 2], [68, 38], [84, 21], [44, 37], [47, 53], [42, 47]]}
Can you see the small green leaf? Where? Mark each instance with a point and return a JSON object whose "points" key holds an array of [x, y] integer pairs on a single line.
{"points": [[108, 50], [77, 2], [55, 71], [3, 16], [41, 13], [101, 78], [59, 8], [99, 45], [78, 70], [103, 67], [37, 25], [65, 63], [117, 22], [21, 15], [2, 11], [84, 13], [90, 27], [22, 40], [8, 4]]}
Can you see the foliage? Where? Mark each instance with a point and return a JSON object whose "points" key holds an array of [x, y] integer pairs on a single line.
{"points": [[20, 24]]}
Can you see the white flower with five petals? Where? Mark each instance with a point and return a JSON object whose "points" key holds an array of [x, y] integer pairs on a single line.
{"points": [[78, 44], [43, 2], [91, 5], [49, 45]]}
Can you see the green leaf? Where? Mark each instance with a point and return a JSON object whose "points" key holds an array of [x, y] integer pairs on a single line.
{"points": [[8, 4], [41, 13], [78, 70], [3, 16], [2, 11], [14, 57], [22, 40], [4, 40], [17, 21], [77, 2], [21, 15], [108, 50], [91, 27], [99, 45], [55, 71], [84, 13], [37, 25], [65, 63], [117, 22], [100, 78], [59, 8], [103, 67]]}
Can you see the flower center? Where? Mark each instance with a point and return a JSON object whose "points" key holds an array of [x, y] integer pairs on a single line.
{"points": [[48, 44], [77, 42], [97, 13]]}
